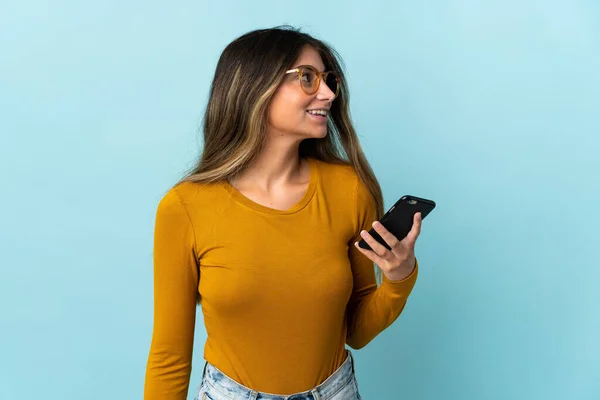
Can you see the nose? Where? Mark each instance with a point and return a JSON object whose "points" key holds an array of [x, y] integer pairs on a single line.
{"points": [[324, 93]]}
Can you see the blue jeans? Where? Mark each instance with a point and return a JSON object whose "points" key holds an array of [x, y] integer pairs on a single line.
{"points": [[341, 385]]}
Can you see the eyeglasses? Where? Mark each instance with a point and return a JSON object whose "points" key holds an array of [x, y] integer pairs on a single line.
{"points": [[310, 79]]}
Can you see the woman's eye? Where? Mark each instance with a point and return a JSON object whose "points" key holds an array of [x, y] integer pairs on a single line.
{"points": [[308, 78]]}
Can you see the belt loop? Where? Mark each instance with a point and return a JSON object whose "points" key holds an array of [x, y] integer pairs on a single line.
{"points": [[315, 394], [204, 370], [351, 360]]}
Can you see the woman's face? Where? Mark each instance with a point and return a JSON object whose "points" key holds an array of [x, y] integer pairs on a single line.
{"points": [[288, 111]]}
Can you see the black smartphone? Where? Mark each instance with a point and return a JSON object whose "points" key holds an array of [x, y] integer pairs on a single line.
{"points": [[399, 218]]}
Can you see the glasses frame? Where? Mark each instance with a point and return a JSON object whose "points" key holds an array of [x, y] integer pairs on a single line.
{"points": [[321, 76]]}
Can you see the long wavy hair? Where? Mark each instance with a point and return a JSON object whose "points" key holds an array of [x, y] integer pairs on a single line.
{"points": [[248, 73]]}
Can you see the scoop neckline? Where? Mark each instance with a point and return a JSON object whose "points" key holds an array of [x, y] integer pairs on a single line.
{"points": [[300, 204]]}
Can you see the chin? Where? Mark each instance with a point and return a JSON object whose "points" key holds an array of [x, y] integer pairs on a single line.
{"points": [[313, 133], [319, 134]]}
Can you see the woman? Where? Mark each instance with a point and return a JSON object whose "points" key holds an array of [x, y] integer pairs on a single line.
{"points": [[262, 233]]}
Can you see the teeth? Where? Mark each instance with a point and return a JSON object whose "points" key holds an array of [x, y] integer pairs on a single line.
{"points": [[318, 112]]}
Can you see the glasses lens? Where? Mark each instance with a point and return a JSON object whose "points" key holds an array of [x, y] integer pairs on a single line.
{"points": [[309, 80], [332, 82]]}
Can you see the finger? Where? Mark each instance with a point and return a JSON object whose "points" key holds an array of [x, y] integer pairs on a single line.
{"points": [[377, 247], [370, 254], [386, 235], [415, 231]]}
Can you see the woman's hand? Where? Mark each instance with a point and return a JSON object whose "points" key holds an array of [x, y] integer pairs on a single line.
{"points": [[399, 262]]}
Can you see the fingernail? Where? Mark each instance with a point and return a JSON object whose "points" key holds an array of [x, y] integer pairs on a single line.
{"points": [[363, 233], [376, 224]]}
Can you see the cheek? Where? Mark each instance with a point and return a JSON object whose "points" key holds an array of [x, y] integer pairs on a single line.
{"points": [[287, 109]]}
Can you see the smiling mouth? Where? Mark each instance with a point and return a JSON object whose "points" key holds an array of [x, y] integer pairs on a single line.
{"points": [[318, 113]]}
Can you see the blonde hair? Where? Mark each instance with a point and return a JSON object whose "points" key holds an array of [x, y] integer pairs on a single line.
{"points": [[248, 73]]}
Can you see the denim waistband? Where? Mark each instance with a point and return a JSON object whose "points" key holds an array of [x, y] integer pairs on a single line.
{"points": [[231, 389]]}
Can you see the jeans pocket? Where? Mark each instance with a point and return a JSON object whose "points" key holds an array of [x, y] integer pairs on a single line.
{"points": [[347, 392], [203, 393]]}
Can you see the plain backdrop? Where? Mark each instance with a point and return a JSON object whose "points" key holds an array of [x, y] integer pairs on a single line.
{"points": [[491, 108]]}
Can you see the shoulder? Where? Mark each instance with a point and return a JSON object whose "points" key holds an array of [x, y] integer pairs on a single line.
{"points": [[339, 176], [343, 179], [195, 192], [189, 195], [343, 187]]}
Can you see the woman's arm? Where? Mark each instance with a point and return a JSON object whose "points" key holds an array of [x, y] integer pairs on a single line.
{"points": [[176, 277], [371, 309]]}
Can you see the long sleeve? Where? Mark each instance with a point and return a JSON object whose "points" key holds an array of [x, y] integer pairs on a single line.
{"points": [[176, 277], [371, 309]]}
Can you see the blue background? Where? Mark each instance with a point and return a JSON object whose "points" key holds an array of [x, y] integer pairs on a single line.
{"points": [[490, 108]]}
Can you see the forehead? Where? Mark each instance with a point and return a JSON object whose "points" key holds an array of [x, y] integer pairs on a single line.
{"points": [[310, 56]]}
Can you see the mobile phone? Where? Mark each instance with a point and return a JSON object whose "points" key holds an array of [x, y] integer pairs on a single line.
{"points": [[399, 218]]}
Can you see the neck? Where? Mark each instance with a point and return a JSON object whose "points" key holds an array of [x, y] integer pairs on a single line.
{"points": [[279, 164]]}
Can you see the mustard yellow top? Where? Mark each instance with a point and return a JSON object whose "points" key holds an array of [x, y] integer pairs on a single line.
{"points": [[282, 292]]}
